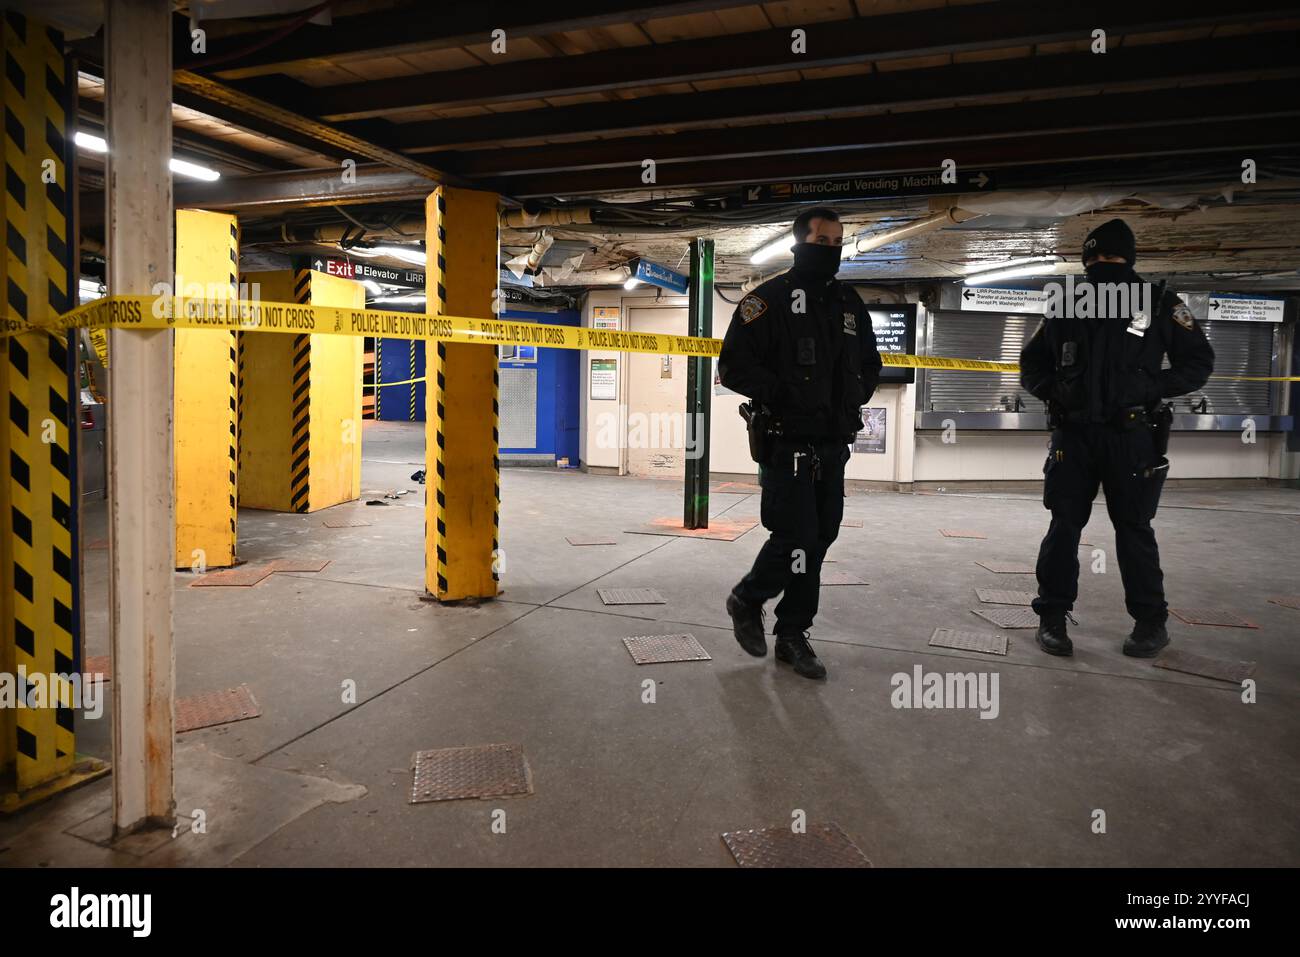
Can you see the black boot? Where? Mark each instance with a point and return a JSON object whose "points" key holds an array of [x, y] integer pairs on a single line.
{"points": [[1147, 639], [747, 623], [1052, 636], [795, 650]]}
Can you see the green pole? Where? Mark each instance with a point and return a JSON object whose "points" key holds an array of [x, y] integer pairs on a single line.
{"points": [[699, 380]]}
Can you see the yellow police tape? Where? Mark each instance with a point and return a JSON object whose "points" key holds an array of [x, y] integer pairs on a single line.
{"points": [[143, 313]]}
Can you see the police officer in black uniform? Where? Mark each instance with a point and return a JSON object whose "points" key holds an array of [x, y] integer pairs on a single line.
{"points": [[1105, 389], [802, 348]]}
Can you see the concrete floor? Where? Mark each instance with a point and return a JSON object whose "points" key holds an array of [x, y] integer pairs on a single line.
{"points": [[1186, 773]]}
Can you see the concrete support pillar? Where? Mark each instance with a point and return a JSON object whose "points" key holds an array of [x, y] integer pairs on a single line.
{"points": [[462, 468], [40, 617], [300, 402], [138, 59], [207, 266]]}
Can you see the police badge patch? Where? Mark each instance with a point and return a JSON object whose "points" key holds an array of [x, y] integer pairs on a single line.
{"points": [[751, 307], [850, 324], [1183, 316]]}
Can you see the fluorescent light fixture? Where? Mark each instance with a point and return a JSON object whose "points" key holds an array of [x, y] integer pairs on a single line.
{"points": [[88, 141], [777, 247], [408, 299], [1011, 263], [1019, 272], [632, 282], [850, 248], [407, 254], [374, 287], [97, 144], [193, 170]]}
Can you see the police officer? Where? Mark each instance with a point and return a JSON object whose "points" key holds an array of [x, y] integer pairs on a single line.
{"points": [[1102, 380], [802, 348]]}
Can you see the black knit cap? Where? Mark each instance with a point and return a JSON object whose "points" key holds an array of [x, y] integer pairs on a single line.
{"points": [[1113, 238]]}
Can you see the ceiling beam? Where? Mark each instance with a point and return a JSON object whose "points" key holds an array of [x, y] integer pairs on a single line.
{"points": [[394, 33], [195, 144], [277, 192], [982, 26], [1059, 73], [345, 144], [1021, 150], [1094, 113]]}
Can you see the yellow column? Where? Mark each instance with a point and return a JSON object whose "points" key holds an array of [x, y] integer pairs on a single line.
{"points": [[462, 470], [39, 566], [207, 265], [300, 403]]}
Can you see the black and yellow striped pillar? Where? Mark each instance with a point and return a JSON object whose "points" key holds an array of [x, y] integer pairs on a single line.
{"points": [[462, 507], [40, 606], [300, 402]]}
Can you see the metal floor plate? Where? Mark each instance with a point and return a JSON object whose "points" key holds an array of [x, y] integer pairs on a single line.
{"points": [[1212, 616], [580, 540], [1007, 568], [299, 565], [215, 707], [344, 523], [485, 771], [824, 845], [842, 578], [659, 649], [1003, 596], [1217, 668], [969, 641], [630, 596], [1009, 617], [851, 523], [720, 529], [244, 576], [1287, 601], [960, 533]]}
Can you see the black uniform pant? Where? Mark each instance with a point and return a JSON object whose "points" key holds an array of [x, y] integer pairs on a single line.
{"points": [[802, 505], [1126, 466]]}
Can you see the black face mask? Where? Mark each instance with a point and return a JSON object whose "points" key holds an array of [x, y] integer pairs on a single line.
{"points": [[817, 260], [1111, 273]]}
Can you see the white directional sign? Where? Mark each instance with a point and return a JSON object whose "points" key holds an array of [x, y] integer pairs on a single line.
{"points": [[1248, 310], [996, 299]]}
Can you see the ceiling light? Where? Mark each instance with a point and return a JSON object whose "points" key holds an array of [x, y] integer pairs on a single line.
{"points": [[193, 170], [407, 254], [97, 144], [1019, 272], [88, 141], [777, 247], [1010, 263], [632, 282], [374, 288]]}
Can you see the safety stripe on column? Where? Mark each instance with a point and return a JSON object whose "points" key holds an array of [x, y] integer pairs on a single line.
{"points": [[440, 386], [40, 483], [300, 445], [496, 462], [411, 344], [236, 372], [379, 364]]}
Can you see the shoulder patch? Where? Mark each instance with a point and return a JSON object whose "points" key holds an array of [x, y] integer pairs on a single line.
{"points": [[1183, 316], [751, 307]]}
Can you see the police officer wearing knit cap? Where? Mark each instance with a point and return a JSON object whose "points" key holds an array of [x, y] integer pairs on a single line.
{"points": [[802, 348], [1105, 391]]}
